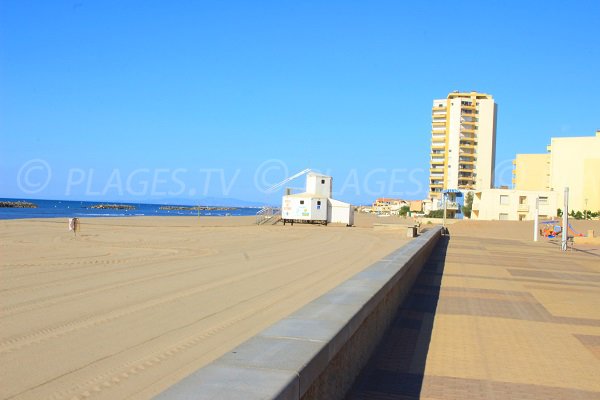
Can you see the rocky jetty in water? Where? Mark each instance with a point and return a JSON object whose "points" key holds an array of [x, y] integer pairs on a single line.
{"points": [[17, 204], [113, 206]]}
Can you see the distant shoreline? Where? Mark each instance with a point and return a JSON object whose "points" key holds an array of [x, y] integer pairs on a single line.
{"points": [[206, 202], [95, 209]]}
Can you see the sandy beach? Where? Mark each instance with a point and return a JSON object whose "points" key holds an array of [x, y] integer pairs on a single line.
{"points": [[132, 305]]}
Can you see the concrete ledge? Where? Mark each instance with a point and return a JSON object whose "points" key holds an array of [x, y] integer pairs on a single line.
{"points": [[395, 227], [439, 221], [317, 352]]}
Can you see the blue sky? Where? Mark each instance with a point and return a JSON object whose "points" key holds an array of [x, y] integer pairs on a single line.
{"points": [[150, 100]]}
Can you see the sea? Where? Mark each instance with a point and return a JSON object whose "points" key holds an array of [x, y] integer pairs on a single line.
{"points": [[83, 209]]}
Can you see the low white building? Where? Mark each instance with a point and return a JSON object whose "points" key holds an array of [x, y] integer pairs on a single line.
{"points": [[513, 205], [339, 212], [304, 206], [316, 204]]}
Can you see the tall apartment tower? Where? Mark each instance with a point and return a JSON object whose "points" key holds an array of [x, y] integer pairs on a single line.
{"points": [[463, 143]]}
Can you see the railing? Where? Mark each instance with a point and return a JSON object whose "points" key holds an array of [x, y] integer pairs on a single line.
{"points": [[450, 205], [268, 214]]}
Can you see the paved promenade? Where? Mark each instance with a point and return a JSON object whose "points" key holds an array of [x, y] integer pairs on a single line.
{"points": [[493, 318]]}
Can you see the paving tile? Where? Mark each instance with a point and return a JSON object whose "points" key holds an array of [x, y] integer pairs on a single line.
{"points": [[493, 319], [592, 343]]}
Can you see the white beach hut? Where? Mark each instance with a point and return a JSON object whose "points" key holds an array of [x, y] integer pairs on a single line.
{"points": [[339, 212], [315, 204], [304, 207]]}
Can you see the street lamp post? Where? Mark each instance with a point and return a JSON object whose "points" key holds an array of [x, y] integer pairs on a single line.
{"points": [[445, 197], [536, 219], [565, 227]]}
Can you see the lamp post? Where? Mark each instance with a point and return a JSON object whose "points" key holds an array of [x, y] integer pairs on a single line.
{"points": [[585, 211], [445, 197], [536, 219], [565, 228]]}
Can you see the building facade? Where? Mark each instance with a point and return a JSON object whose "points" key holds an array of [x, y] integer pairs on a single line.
{"points": [[531, 172], [513, 205], [388, 206], [572, 162], [575, 163], [416, 205], [463, 143]]}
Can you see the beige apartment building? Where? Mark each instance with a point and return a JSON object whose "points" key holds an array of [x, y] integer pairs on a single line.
{"points": [[531, 172], [572, 162], [513, 205], [463, 143], [388, 206]]}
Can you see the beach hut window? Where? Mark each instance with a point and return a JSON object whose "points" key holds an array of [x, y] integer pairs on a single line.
{"points": [[323, 181]]}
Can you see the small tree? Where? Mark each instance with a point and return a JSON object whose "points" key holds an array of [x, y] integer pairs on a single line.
{"points": [[435, 214], [559, 212], [468, 207], [404, 210]]}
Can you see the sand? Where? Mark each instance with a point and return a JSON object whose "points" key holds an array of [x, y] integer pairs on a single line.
{"points": [[132, 305]]}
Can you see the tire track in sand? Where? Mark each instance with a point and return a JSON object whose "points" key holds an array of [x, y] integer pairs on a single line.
{"points": [[48, 301], [42, 335], [117, 375], [63, 281]]}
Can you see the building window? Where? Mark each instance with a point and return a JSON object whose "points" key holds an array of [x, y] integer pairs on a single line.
{"points": [[318, 202], [503, 200], [522, 199], [301, 201], [503, 217], [543, 200], [323, 181]]}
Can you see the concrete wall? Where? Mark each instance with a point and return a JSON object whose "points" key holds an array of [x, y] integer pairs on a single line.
{"points": [[317, 352], [573, 163], [436, 221], [532, 172]]}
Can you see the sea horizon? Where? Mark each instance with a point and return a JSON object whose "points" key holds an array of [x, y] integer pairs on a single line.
{"points": [[47, 208]]}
